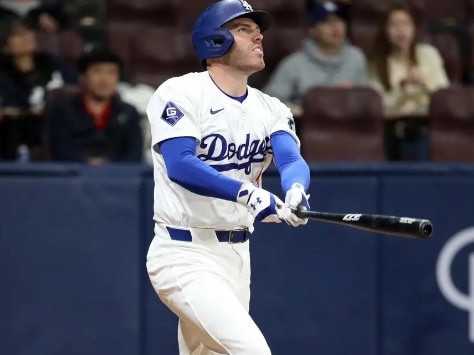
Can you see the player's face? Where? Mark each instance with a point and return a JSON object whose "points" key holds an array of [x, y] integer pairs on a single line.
{"points": [[100, 80], [400, 29], [247, 52], [330, 33]]}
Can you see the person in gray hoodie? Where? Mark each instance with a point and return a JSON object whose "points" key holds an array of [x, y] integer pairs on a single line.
{"points": [[325, 59]]}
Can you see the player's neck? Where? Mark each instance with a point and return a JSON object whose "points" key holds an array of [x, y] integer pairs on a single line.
{"points": [[233, 83]]}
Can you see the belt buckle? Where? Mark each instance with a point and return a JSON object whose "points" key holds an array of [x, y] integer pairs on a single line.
{"points": [[230, 237]]}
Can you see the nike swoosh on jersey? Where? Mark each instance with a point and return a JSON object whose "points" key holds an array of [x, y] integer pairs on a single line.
{"points": [[216, 111]]}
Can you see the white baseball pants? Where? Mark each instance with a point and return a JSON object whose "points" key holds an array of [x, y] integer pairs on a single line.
{"points": [[206, 283]]}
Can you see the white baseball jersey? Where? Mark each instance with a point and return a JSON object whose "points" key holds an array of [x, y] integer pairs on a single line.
{"points": [[232, 137]]}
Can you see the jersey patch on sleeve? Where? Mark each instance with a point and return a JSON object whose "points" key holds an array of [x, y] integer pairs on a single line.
{"points": [[171, 113]]}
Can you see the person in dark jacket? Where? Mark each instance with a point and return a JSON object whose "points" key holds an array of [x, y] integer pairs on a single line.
{"points": [[95, 126], [26, 75]]}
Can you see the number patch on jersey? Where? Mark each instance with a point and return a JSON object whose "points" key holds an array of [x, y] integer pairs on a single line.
{"points": [[171, 114]]}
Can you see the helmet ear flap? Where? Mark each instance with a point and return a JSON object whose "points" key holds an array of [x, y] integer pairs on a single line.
{"points": [[212, 44]]}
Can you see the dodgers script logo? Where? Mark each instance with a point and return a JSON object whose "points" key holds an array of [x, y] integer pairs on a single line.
{"points": [[443, 274], [218, 150]]}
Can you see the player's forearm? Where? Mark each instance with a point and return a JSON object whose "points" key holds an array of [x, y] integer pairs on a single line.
{"points": [[203, 180], [295, 172], [185, 169], [291, 165]]}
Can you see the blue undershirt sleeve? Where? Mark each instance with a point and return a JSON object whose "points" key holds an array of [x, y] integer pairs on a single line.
{"points": [[290, 164], [187, 170]]}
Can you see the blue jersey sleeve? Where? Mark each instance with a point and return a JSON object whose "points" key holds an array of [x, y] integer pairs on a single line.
{"points": [[187, 170], [290, 164]]}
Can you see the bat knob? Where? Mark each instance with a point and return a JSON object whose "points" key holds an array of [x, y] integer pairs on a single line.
{"points": [[426, 228]]}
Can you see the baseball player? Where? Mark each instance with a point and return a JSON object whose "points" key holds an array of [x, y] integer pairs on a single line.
{"points": [[212, 138]]}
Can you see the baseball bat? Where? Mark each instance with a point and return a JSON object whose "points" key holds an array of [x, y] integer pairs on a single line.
{"points": [[393, 225]]}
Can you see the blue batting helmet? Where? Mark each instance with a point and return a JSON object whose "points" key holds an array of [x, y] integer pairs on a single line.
{"points": [[210, 40]]}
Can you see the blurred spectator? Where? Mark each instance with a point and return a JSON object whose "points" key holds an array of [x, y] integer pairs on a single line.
{"points": [[95, 126], [402, 69], [345, 8], [325, 59], [84, 12], [25, 76], [25, 72], [310, 3], [344, 5], [42, 15], [87, 18], [83, 16], [138, 96], [405, 72]]}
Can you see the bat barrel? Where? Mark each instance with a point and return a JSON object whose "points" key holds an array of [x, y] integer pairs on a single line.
{"points": [[401, 226]]}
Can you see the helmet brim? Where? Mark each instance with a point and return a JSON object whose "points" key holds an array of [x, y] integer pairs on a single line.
{"points": [[262, 18]]}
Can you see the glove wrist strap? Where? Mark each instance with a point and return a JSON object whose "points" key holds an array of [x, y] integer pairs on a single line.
{"points": [[244, 193], [298, 186]]}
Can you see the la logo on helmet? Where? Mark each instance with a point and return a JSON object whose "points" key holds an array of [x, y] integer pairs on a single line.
{"points": [[246, 5]]}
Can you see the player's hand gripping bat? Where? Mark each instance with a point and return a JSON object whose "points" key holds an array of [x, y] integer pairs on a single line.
{"points": [[393, 225]]}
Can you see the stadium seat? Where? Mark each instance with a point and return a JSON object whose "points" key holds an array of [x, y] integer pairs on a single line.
{"points": [[470, 10], [163, 52], [67, 45], [370, 11], [284, 12], [277, 44], [118, 38], [158, 12], [448, 48], [451, 130], [436, 9], [362, 35], [190, 10], [470, 56], [367, 11], [342, 125], [52, 96], [280, 42]]}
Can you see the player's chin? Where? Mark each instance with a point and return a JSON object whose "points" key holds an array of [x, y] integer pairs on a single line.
{"points": [[254, 65], [259, 58], [259, 64]]}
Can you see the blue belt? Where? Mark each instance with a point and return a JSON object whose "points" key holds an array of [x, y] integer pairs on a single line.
{"points": [[230, 236]]}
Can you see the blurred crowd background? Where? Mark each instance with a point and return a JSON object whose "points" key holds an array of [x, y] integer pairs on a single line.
{"points": [[367, 80]]}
